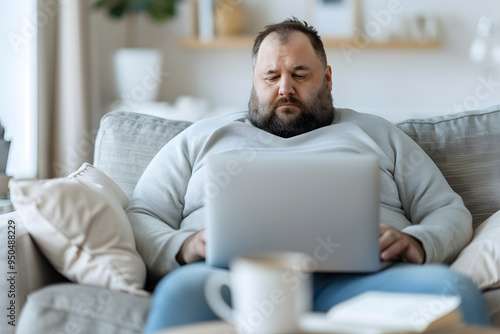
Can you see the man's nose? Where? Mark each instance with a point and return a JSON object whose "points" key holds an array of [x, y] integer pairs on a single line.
{"points": [[286, 86]]}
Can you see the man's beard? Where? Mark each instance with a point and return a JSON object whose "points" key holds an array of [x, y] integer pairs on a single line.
{"points": [[315, 113]]}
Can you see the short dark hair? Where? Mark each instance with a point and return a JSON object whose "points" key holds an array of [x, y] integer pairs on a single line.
{"points": [[284, 29]]}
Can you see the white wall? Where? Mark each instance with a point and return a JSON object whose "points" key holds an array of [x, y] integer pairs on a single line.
{"points": [[18, 85], [395, 83]]}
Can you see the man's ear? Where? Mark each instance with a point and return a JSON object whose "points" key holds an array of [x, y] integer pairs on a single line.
{"points": [[328, 76]]}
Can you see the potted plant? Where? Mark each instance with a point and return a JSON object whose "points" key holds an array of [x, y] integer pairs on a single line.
{"points": [[137, 69]]}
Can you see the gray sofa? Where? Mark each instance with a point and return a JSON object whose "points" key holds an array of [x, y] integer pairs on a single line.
{"points": [[465, 146]]}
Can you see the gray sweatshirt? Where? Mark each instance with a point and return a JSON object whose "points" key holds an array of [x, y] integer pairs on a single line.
{"points": [[168, 203]]}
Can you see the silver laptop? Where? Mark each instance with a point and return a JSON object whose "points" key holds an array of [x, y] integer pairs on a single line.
{"points": [[322, 204]]}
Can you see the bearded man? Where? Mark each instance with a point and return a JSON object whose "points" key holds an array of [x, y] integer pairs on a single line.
{"points": [[424, 224]]}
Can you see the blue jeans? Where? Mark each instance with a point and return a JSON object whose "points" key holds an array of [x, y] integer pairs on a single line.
{"points": [[179, 298]]}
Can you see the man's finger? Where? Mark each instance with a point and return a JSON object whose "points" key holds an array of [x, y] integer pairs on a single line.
{"points": [[396, 249], [389, 237], [382, 228], [202, 236]]}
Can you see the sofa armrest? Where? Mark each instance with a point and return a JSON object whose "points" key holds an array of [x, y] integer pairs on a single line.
{"points": [[23, 270]]}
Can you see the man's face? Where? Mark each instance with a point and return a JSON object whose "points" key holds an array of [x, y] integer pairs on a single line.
{"points": [[291, 91]]}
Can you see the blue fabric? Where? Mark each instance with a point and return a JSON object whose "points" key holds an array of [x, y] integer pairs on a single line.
{"points": [[179, 297]]}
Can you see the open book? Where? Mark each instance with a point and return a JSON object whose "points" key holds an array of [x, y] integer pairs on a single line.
{"points": [[387, 312]]}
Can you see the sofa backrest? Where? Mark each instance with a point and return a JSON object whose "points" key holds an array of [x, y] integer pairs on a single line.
{"points": [[465, 146], [126, 142]]}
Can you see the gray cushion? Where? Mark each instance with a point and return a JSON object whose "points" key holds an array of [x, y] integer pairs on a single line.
{"points": [[466, 148], [127, 141], [72, 308]]}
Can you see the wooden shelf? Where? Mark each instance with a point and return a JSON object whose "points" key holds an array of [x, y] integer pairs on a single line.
{"points": [[246, 41], [397, 45]]}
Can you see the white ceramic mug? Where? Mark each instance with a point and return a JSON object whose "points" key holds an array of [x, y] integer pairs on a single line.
{"points": [[269, 292]]}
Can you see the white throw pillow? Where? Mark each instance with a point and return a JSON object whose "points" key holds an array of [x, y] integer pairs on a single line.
{"points": [[480, 260], [80, 225]]}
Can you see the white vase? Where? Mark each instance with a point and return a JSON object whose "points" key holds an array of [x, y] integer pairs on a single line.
{"points": [[138, 75]]}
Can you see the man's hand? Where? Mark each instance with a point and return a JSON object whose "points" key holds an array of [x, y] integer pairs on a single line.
{"points": [[193, 249], [396, 244]]}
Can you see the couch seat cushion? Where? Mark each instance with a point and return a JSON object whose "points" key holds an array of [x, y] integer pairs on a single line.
{"points": [[72, 308], [492, 298]]}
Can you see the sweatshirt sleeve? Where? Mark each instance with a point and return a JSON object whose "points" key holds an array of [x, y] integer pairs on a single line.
{"points": [[156, 208], [438, 216], [433, 213]]}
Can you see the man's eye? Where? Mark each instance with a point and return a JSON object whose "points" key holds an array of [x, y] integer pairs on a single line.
{"points": [[271, 79], [299, 76]]}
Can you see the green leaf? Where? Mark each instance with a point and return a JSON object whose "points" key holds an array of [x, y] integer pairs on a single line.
{"points": [[100, 3], [118, 11], [159, 10]]}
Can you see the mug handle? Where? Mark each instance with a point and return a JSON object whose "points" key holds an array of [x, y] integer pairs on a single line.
{"points": [[213, 295]]}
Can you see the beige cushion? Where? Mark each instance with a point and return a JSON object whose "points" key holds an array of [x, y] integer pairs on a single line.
{"points": [[480, 260], [80, 225]]}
